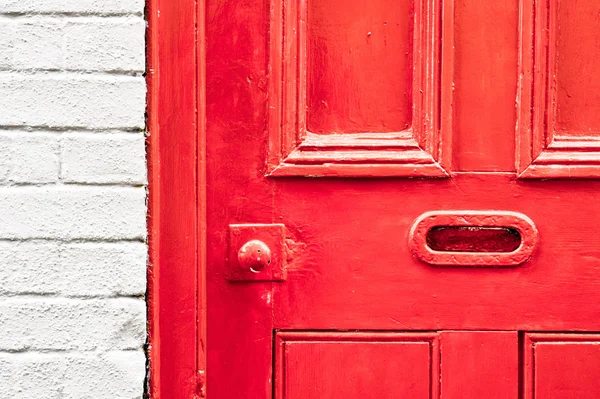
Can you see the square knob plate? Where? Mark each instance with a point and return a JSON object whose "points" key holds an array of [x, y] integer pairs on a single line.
{"points": [[256, 252]]}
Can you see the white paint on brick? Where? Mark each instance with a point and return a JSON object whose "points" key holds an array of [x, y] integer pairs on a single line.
{"points": [[110, 375], [28, 157], [41, 324], [73, 269], [103, 158], [105, 44], [70, 213], [29, 268], [71, 6], [75, 43], [37, 44], [72, 100], [7, 33], [105, 269], [72, 199]]}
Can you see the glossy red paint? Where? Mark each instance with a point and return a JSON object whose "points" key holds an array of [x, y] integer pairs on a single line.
{"points": [[558, 129], [479, 364], [561, 366], [256, 253], [176, 215], [513, 220], [294, 139], [484, 85], [326, 81], [357, 365]]}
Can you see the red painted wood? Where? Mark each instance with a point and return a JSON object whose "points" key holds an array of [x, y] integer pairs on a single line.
{"points": [[420, 248], [307, 71], [346, 248], [479, 365], [348, 258], [379, 272], [558, 129], [577, 95], [201, 290], [240, 315], [256, 252], [359, 72], [485, 79], [356, 365], [176, 217], [562, 366], [469, 365]]}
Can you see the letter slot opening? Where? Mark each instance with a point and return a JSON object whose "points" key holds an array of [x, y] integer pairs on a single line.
{"points": [[473, 239]]}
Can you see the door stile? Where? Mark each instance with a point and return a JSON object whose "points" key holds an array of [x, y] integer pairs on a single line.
{"points": [[176, 148]]}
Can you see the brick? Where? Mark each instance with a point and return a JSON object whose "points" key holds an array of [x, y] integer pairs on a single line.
{"points": [[7, 33], [103, 269], [103, 158], [38, 44], [82, 43], [78, 269], [72, 376], [41, 324], [105, 44], [72, 100], [70, 6], [31, 375], [29, 267], [109, 213], [27, 157]]}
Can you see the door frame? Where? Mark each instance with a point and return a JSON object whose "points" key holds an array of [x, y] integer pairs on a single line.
{"points": [[176, 149]]}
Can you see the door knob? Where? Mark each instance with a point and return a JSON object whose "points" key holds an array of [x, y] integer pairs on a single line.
{"points": [[255, 256]]}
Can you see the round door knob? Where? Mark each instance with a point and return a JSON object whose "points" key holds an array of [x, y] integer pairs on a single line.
{"points": [[254, 255]]}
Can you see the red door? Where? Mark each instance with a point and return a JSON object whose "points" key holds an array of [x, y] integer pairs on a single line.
{"points": [[402, 199]]}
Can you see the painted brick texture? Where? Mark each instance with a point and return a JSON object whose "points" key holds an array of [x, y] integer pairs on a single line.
{"points": [[73, 199]]}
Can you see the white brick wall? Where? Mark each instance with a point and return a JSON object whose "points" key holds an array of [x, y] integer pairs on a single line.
{"points": [[72, 199]]}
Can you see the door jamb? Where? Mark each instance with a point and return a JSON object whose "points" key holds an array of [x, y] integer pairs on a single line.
{"points": [[176, 149]]}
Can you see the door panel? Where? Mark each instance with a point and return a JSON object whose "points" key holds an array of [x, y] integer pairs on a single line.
{"points": [[353, 365], [357, 365], [562, 366], [484, 85], [559, 127], [355, 89], [479, 365], [359, 73]]}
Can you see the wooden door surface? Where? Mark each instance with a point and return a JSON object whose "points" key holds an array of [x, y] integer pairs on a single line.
{"points": [[402, 199]]}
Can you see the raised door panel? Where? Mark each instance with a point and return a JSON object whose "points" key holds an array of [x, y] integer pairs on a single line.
{"points": [[359, 88], [484, 85], [559, 366], [356, 365], [559, 100], [480, 364]]}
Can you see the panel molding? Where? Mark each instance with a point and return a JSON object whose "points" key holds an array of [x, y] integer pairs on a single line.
{"points": [[540, 152], [530, 341], [422, 150], [284, 337]]}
